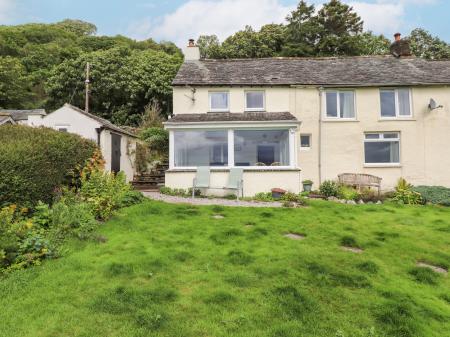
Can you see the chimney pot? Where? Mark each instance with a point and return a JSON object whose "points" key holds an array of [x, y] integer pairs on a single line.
{"points": [[397, 36], [191, 43]]}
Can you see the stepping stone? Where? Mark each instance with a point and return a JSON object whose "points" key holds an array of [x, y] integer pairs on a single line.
{"points": [[436, 269], [352, 249], [294, 236], [218, 216]]}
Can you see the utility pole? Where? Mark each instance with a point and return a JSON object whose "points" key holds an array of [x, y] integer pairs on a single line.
{"points": [[88, 82]]}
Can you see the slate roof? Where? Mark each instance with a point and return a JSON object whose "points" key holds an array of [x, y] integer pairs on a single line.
{"points": [[232, 117], [325, 71], [104, 122], [22, 115]]}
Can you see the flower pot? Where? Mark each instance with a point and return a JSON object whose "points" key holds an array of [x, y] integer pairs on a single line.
{"points": [[277, 193]]}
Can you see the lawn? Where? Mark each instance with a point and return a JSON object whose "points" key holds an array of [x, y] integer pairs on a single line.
{"points": [[176, 270]]}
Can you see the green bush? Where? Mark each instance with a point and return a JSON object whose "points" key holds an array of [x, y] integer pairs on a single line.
{"points": [[36, 161], [105, 192], [438, 195], [404, 193], [261, 196], [329, 188], [348, 193]]}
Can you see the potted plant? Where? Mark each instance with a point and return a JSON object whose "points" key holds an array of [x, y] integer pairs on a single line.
{"points": [[277, 193], [307, 185]]}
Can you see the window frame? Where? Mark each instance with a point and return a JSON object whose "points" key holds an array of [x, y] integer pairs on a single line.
{"points": [[231, 146], [397, 105], [382, 138], [305, 148], [338, 105], [255, 109], [210, 93], [172, 141]]}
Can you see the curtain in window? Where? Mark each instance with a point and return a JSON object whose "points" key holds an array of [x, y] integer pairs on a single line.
{"points": [[219, 100], [347, 107], [394, 152], [255, 100], [403, 102]]}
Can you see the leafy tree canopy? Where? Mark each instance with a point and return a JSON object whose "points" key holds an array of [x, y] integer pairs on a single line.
{"points": [[37, 59]]}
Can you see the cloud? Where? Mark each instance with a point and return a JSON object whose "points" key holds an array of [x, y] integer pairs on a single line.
{"points": [[381, 18], [6, 11], [225, 17], [199, 17]]}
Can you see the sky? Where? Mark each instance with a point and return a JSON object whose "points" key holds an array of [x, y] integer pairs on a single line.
{"points": [[179, 20]]}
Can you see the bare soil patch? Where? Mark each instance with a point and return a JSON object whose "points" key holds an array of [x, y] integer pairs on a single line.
{"points": [[294, 236], [436, 269], [352, 249]]}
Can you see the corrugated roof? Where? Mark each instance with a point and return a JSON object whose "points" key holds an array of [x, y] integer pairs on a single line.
{"points": [[325, 71], [232, 117]]}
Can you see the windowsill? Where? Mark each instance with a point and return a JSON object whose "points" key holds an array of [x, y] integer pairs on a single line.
{"points": [[255, 110], [340, 120], [385, 165], [396, 119], [213, 111], [305, 149], [246, 169]]}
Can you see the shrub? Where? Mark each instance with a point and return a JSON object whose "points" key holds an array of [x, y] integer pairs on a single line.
{"points": [[35, 161], [329, 188], [180, 192], [262, 196], [405, 194], [105, 192], [434, 194], [72, 218], [348, 193]]}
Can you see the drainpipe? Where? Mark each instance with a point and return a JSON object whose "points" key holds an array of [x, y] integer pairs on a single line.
{"points": [[99, 132], [320, 89]]}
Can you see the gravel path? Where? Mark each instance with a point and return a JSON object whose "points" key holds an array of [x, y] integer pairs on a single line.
{"points": [[205, 201]]}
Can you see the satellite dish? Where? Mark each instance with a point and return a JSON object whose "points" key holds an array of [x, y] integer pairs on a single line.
{"points": [[433, 105]]}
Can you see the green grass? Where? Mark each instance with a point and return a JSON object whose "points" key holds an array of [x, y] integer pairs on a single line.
{"points": [[174, 270]]}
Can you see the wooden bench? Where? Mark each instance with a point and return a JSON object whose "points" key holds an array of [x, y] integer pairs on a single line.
{"points": [[360, 180]]}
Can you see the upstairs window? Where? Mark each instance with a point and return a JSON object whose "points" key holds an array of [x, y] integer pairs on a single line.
{"points": [[254, 101], [340, 104], [382, 148], [305, 142], [219, 101], [395, 103]]}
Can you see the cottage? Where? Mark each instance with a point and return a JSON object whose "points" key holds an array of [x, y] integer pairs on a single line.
{"points": [[118, 146], [284, 120]]}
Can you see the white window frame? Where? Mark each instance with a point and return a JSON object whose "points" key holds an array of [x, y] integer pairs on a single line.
{"points": [[338, 107], [383, 139], [231, 161], [263, 108], [211, 109], [305, 148], [397, 106]]}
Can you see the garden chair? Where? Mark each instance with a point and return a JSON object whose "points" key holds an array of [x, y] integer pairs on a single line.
{"points": [[235, 181], [201, 179]]}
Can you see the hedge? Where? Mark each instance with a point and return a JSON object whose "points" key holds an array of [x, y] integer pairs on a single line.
{"points": [[434, 194], [36, 161]]}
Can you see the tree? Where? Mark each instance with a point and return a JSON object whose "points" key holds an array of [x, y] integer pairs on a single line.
{"points": [[301, 33], [78, 27], [370, 44], [14, 88], [339, 27], [123, 80], [423, 44], [210, 47]]}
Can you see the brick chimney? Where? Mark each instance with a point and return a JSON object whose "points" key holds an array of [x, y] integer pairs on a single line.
{"points": [[192, 51], [400, 47]]}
